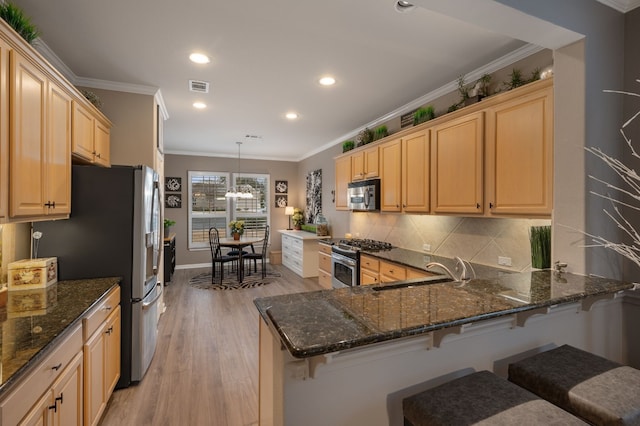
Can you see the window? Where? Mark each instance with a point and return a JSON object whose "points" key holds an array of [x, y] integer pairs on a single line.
{"points": [[209, 207]]}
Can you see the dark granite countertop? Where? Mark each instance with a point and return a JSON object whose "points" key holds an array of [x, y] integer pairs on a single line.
{"points": [[27, 335], [326, 321], [418, 260]]}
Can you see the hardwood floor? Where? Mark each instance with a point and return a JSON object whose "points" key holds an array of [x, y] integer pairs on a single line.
{"points": [[205, 369]]}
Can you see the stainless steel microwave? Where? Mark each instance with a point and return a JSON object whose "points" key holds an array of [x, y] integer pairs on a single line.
{"points": [[364, 195]]}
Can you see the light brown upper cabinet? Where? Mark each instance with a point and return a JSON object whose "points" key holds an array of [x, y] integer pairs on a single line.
{"points": [[40, 157], [456, 177], [391, 176], [365, 164], [404, 177], [520, 153], [90, 137], [343, 177], [4, 128], [415, 172]]}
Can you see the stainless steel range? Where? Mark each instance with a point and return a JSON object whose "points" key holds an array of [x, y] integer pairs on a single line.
{"points": [[345, 260]]}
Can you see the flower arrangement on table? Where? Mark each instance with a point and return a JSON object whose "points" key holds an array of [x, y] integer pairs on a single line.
{"points": [[297, 218], [237, 227]]}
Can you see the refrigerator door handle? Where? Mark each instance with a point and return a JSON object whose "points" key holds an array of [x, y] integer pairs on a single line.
{"points": [[146, 305]]}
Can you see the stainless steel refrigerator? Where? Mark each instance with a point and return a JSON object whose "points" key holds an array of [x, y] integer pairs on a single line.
{"points": [[114, 230]]}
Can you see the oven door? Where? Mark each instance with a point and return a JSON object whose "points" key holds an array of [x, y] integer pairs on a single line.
{"points": [[344, 271]]}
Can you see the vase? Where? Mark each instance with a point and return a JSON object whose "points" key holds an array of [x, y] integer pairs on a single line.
{"points": [[236, 236], [297, 227]]}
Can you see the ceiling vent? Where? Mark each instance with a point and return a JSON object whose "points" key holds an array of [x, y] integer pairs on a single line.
{"points": [[198, 86]]}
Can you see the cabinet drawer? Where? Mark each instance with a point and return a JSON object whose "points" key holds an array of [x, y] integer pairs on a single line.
{"points": [[100, 313], [392, 270], [416, 273], [325, 279], [369, 263], [324, 262], [323, 248], [16, 405]]}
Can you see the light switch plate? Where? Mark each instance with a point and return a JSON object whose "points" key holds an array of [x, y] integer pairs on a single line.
{"points": [[426, 247]]}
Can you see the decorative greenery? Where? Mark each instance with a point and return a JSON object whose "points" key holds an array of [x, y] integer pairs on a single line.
{"points": [[348, 146], [237, 226], [169, 222], [540, 238], [15, 17], [462, 89], [380, 132], [482, 85], [298, 217], [308, 228], [423, 114], [453, 107], [92, 97], [364, 137]]}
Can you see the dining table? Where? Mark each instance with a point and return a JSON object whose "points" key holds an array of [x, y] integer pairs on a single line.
{"points": [[240, 244]]}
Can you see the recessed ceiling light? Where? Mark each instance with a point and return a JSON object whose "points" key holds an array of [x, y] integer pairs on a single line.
{"points": [[404, 6], [327, 81], [199, 105], [291, 115], [199, 58]]}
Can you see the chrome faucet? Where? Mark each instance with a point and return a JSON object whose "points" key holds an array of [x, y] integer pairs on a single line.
{"points": [[462, 265]]}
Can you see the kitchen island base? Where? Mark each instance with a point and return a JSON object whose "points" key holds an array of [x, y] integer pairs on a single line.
{"points": [[366, 385]]}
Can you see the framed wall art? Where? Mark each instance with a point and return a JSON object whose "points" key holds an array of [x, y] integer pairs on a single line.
{"points": [[314, 196], [173, 184], [173, 201], [282, 187], [282, 201]]}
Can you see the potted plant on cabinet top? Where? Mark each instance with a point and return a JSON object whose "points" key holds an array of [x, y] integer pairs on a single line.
{"points": [[297, 219], [15, 17], [237, 228], [348, 146]]}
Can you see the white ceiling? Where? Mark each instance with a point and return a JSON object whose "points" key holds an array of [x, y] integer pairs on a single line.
{"points": [[266, 59]]}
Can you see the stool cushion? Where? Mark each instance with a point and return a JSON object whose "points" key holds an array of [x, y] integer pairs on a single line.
{"points": [[485, 399], [600, 391]]}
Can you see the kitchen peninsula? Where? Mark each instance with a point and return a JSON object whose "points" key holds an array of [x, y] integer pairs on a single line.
{"points": [[349, 355]]}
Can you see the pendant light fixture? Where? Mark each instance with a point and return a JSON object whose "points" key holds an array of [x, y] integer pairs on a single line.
{"points": [[239, 191]]}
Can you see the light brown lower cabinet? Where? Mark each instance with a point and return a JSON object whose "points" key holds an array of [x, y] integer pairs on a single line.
{"points": [[375, 271], [102, 367], [324, 266], [62, 405]]}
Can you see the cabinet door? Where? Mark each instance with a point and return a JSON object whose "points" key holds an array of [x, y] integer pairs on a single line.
{"points": [[4, 128], [368, 277], [95, 399], [102, 135], [28, 121], [415, 172], [357, 166], [343, 177], [457, 165], [58, 152], [67, 394], [390, 176], [112, 352], [371, 163], [520, 155], [41, 413], [82, 133]]}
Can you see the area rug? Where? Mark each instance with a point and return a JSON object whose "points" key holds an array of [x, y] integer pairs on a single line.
{"points": [[230, 281]]}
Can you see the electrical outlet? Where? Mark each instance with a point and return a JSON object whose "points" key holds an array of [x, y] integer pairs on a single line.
{"points": [[426, 247], [504, 261]]}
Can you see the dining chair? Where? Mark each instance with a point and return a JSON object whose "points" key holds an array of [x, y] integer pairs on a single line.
{"points": [[262, 256], [216, 255]]}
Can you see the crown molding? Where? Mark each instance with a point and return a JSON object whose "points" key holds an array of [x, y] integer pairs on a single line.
{"points": [[623, 6], [502, 62]]}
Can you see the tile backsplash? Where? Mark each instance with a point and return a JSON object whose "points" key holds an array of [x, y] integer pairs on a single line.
{"points": [[480, 240]]}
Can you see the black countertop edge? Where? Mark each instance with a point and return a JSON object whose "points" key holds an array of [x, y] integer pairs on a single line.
{"points": [[25, 369]]}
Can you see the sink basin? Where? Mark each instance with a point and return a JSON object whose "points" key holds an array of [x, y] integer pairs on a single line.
{"points": [[412, 283]]}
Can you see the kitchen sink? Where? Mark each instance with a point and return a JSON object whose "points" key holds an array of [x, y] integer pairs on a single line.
{"points": [[417, 282]]}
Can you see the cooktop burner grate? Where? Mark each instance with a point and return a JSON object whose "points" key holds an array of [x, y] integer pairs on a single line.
{"points": [[366, 244]]}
